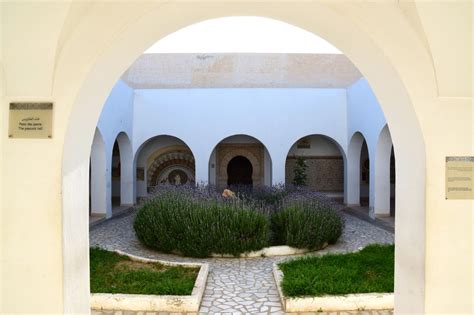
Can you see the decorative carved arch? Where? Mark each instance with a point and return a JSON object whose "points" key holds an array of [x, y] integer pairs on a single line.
{"points": [[256, 174], [169, 160]]}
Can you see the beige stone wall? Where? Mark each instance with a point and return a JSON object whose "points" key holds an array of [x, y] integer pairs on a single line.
{"points": [[323, 173], [231, 70], [252, 151]]}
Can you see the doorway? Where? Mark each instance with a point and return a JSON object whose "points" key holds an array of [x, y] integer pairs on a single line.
{"points": [[239, 172]]}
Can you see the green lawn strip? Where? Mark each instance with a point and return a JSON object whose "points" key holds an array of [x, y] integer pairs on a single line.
{"points": [[114, 273], [369, 270]]}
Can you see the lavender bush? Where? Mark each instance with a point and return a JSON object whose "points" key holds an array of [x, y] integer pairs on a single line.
{"points": [[198, 221]]}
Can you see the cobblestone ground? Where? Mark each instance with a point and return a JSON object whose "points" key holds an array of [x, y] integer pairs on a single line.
{"points": [[236, 286]]}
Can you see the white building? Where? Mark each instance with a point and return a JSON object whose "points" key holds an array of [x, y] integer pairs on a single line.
{"points": [[224, 119]]}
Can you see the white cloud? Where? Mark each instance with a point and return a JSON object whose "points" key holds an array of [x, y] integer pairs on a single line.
{"points": [[245, 34]]}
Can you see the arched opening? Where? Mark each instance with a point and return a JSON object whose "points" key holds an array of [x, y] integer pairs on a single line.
{"points": [[163, 160], [121, 181], [364, 175], [239, 172], [247, 148], [392, 183], [358, 169], [323, 160], [116, 170], [75, 167]]}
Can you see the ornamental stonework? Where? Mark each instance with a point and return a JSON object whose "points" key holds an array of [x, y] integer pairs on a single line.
{"points": [[252, 151]]}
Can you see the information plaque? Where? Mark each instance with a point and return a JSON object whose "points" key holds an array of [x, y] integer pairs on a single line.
{"points": [[459, 177], [30, 120]]}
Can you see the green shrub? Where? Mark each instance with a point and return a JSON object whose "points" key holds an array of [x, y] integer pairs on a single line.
{"points": [[199, 222], [299, 172], [178, 222], [306, 224]]}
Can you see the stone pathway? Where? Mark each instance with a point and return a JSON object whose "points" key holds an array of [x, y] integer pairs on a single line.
{"points": [[381, 312], [236, 286]]}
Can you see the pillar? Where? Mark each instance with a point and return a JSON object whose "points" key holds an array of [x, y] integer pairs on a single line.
{"points": [[201, 170], [127, 170], [100, 178], [278, 169], [380, 176], [352, 170]]}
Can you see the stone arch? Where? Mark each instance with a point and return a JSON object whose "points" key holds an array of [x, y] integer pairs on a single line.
{"points": [[152, 161], [389, 74], [165, 161], [256, 174], [247, 146]]}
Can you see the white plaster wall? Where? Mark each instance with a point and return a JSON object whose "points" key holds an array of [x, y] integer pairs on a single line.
{"points": [[276, 117], [364, 113], [279, 117], [116, 115]]}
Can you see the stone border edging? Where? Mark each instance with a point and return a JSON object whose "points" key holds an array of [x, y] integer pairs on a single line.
{"points": [[333, 303], [281, 250], [164, 303]]}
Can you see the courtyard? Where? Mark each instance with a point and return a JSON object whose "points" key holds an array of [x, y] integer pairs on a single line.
{"points": [[102, 105], [236, 285]]}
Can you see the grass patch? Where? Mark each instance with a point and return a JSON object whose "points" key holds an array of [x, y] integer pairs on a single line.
{"points": [[369, 270], [114, 273]]}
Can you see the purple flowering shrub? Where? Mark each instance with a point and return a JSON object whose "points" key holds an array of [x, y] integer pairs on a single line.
{"points": [[198, 221]]}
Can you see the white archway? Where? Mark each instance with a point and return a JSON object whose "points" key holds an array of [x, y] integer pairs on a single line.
{"points": [[317, 147], [361, 49], [380, 176], [244, 146]]}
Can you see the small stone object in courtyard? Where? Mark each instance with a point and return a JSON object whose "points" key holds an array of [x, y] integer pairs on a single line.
{"points": [[227, 193]]}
